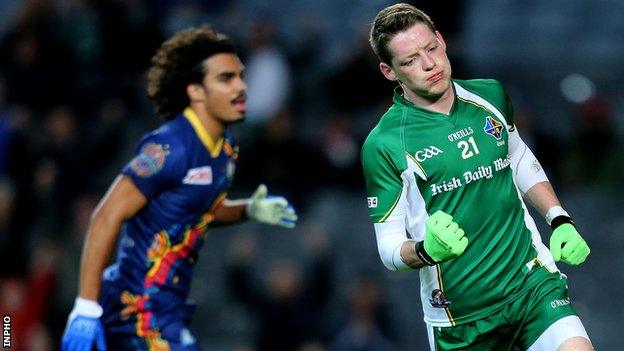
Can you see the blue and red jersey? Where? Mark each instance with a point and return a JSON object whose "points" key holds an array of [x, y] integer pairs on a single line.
{"points": [[185, 176]]}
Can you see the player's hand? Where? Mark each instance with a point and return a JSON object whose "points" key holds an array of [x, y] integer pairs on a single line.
{"points": [[444, 240], [567, 245], [274, 210], [84, 328]]}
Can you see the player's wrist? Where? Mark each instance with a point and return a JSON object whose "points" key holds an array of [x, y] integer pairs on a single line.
{"points": [[423, 256], [249, 210], [561, 220], [554, 212], [87, 308]]}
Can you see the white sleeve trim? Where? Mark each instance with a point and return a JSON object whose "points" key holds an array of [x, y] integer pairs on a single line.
{"points": [[390, 237], [555, 211], [86, 308], [526, 169]]}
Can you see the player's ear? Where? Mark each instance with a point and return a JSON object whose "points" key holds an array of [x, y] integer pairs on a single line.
{"points": [[195, 92], [441, 40], [387, 71]]}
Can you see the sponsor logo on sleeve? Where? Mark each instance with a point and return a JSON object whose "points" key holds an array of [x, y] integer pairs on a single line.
{"points": [[198, 176], [372, 202], [150, 160], [535, 167], [493, 128]]}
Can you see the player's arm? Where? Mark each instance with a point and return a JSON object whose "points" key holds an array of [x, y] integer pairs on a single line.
{"points": [[438, 238], [274, 210], [121, 202], [443, 240], [566, 244]]}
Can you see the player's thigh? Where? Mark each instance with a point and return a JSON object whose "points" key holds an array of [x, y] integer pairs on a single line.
{"points": [[566, 334], [551, 318]]}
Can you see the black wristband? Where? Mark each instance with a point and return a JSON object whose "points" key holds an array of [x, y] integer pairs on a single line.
{"points": [[423, 255], [559, 220]]}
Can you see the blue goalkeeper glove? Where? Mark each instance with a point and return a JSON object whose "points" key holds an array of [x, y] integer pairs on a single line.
{"points": [[84, 328], [274, 210]]}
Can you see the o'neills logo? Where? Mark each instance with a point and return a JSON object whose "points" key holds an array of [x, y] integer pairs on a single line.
{"points": [[427, 153]]}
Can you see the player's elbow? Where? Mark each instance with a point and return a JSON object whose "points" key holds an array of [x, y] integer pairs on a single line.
{"points": [[389, 265], [388, 254]]}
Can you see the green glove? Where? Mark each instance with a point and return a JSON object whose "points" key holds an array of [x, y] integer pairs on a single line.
{"points": [[444, 240], [274, 210], [567, 245]]}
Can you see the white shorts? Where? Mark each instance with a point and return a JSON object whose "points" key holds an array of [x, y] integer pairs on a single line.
{"points": [[558, 332]]}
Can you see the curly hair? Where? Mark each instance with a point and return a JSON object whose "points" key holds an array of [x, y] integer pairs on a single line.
{"points": [[392, 20], [178, 63]]}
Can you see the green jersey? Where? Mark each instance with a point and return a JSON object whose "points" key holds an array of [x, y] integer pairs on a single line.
{"points": [[417, 161]]}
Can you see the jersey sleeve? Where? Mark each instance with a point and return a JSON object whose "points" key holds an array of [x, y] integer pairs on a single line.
{"points": [[384, 184], [158, 164]]}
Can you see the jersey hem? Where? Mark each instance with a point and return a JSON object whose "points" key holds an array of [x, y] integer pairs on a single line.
{"points": [[542, 271]]}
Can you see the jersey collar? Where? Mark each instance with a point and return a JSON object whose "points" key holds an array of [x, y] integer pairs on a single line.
{"points": [[399, 99], [202, 133]]}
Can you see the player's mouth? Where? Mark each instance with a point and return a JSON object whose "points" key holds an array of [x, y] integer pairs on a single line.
{"points": [[240, 103], [436, 77]]}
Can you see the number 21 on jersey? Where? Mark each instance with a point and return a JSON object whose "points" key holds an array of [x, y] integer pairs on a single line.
{"points": [[469, 148]]}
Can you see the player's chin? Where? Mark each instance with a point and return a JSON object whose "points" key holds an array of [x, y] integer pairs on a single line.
{"points": [[238, 118], [440, 87]]}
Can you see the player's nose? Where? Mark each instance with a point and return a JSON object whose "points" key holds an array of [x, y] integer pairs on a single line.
{"points": [[428, 63], [240, 84]]}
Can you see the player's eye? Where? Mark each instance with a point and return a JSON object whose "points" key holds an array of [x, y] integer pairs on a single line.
{"points": [[224, 78], [408, 62], [434, 48]]}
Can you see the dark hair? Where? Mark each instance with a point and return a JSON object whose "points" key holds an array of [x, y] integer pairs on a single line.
{"points": [[392, 20], [178, 63]]}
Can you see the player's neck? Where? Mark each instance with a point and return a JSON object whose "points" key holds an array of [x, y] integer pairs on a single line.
{"points": [[212, 125], [441, 104]]}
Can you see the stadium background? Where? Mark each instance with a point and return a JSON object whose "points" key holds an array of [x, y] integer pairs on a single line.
{"points": [[72, 107]]}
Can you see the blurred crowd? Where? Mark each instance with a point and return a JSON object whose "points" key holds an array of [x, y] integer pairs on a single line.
{"points": [[72, 107]]}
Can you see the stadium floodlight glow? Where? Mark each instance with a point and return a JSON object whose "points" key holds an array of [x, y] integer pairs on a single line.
{"points": [[577, 88]]}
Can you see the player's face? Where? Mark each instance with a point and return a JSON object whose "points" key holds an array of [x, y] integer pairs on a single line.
{"points": [[224, 97], [419, 62]]}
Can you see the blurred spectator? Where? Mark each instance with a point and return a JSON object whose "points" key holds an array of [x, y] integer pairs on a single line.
{"points": [[60, 175], [280, 157], [596, 142], [268, 74], [357, 83], [5, 127], [342, 151], [11, 247], [287, 304], [366, 327], [25, 299], [34, 61]]}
